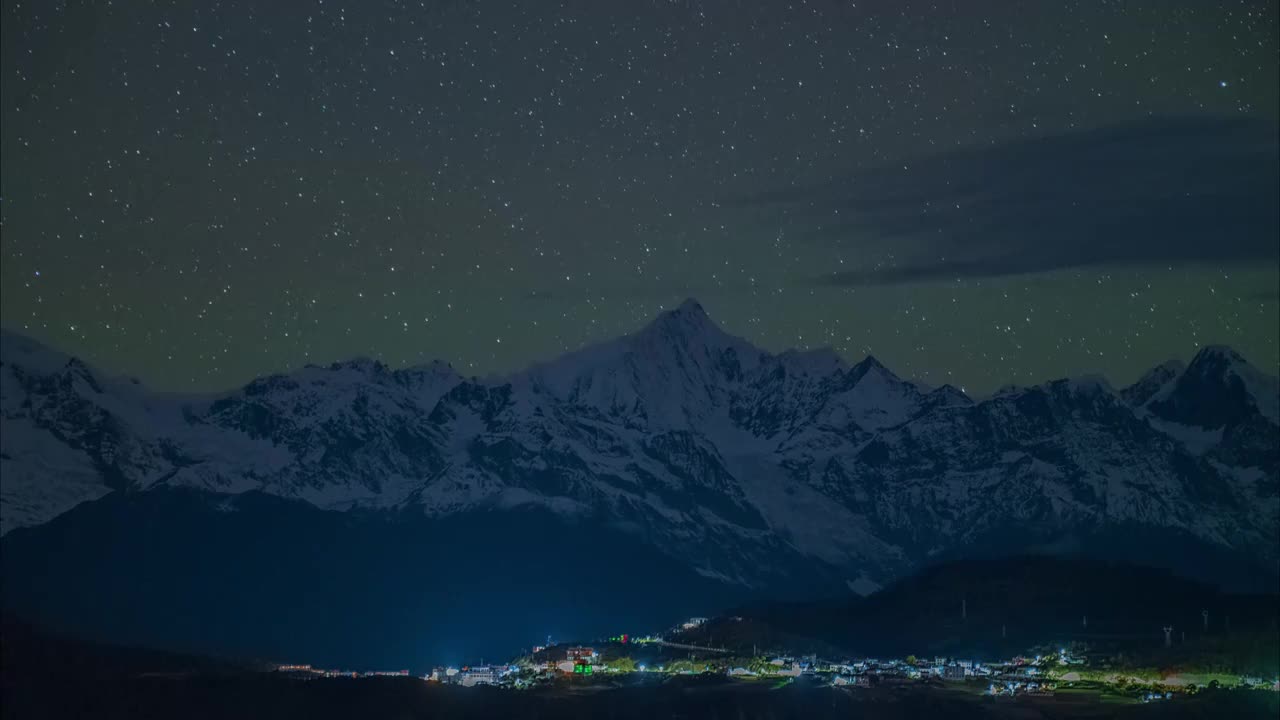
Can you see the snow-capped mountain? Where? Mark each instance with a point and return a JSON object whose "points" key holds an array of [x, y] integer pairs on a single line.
{"points": [[749, 467]]}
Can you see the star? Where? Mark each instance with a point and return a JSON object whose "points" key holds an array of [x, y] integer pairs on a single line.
{"points": [[561, 176]]}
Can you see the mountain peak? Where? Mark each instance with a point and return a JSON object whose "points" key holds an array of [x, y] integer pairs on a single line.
{"points": [[1172, 366], [690, 306], [1219, 388], [1218, 356], [951, 392], [362, 364], [688, 314], [673, 368], [21, 349], [1090, 384], [1153, 382], [868, 365], [689, 324], [869, 362]]}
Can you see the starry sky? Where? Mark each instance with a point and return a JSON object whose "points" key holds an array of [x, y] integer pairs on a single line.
{"points": [[197, 193]]}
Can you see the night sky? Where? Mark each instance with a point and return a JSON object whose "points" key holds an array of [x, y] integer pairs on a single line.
{"points": [[196, 193]]}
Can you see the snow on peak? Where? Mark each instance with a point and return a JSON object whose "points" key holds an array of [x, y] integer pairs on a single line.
{"points": [[28, 354], [680, 427], [1218, 388], [1221, 363], [949, 395], [690, 306], [1006, 390], [1087, 384], [872, 397], [1167, 369], [1217, 355], [670, 371], [870, 370], [869, 363], [686, 324], [1153, 383], [360, 364]]}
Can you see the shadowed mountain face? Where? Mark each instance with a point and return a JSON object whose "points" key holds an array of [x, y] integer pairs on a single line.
{"points": [[682, 450], [256, 576]]}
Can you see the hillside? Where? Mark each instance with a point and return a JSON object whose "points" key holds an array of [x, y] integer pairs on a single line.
{"points": [[995, 609]]}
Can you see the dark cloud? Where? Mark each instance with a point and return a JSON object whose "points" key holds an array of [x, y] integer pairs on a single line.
{"points": [[1163, 191]]}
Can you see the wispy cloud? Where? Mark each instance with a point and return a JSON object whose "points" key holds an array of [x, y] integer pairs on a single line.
{"points": [[1174, 191]]}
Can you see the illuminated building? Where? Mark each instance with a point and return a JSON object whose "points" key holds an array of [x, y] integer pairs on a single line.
{"points": [[480, 675]]}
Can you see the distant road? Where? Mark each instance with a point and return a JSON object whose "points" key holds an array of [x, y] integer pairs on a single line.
{"points": [[682, 646]]}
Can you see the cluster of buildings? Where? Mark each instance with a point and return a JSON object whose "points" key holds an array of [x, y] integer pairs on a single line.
{"points": [[471, 676], [857, 672], [1019, 687], [1019, 675], [692, 623], [578, 660], [307, 672]]}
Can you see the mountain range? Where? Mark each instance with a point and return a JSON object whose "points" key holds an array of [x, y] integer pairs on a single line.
{"points": [[686, 452]]}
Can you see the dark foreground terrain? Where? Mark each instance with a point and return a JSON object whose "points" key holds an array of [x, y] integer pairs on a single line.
{"points": [[46, 676], [248, 696]]}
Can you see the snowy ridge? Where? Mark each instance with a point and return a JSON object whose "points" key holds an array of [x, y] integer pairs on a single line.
{"points": [[738, 461]]}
